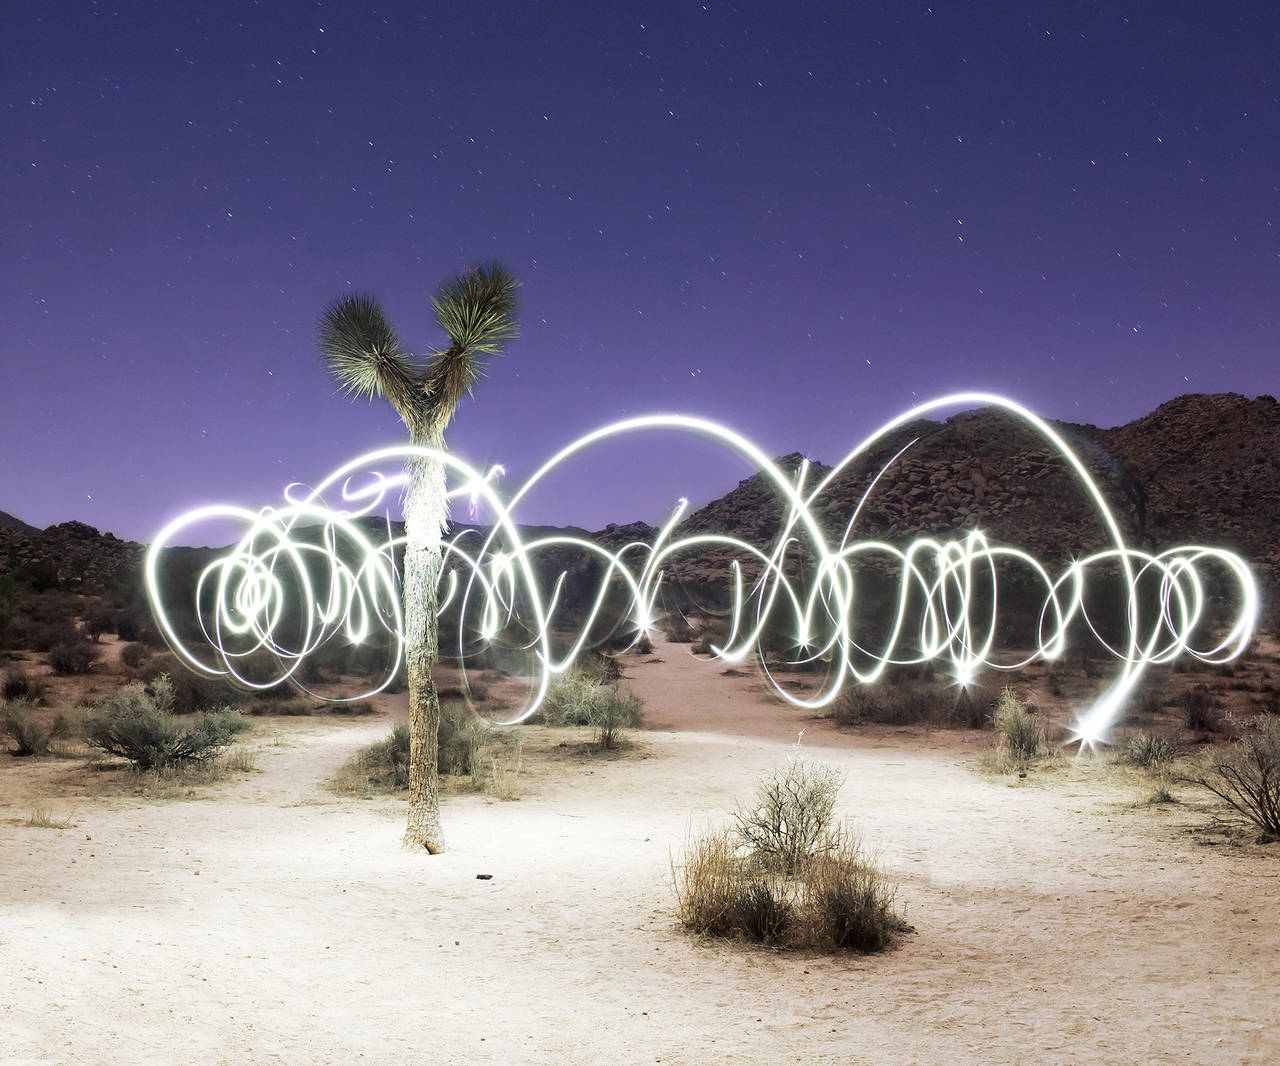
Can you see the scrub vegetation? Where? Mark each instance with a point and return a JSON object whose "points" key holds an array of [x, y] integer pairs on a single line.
{"points": [[785, 873]]}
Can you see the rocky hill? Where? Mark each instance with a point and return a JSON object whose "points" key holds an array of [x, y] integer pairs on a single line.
{"points": [[1201, 469], [71, 556], [7, 521]]}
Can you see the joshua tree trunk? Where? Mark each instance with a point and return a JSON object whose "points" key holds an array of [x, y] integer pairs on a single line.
{"points": [[425, 515]]}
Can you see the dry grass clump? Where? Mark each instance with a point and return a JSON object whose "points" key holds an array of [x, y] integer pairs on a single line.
{"points": [[28, 732], [1020, 731], [784, 874], [1246, 775], [43, 818], [1150, 752]]}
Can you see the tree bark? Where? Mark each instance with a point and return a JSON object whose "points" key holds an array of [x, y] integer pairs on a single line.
{"points": [[425, 516]]}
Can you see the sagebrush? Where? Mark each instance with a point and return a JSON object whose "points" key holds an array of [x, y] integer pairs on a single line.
{"points": [[137, 722]]}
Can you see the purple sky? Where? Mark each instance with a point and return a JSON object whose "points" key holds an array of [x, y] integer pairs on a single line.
{"points": [[796, 218]]}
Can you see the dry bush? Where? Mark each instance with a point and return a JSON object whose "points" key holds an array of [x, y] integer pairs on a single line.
{"points": [[382, 766], [678, 630], [720, 892], [913, 703], [73, 657], [132, 655], [1200, 710], [790, 816], [29, 733], [847, 903], [18, 684], [1246, 775], [576, 699]]}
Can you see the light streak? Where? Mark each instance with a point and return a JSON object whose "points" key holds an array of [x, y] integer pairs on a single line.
{"points": [[307, 572]]}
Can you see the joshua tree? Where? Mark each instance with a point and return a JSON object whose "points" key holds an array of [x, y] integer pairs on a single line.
{"points": [[360, 348]]}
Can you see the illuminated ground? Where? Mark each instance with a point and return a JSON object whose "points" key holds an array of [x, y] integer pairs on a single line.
{"points": [[267, 921]]}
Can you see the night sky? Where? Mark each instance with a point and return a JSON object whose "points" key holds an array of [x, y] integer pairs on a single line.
{"points": [[798, 218]]}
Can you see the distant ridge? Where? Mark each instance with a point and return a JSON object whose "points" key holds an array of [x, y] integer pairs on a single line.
{"points": [[1200, 469], [8, 521]]}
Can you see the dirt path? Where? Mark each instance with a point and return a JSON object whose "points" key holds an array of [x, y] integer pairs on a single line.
{"points": [[267, 921]]}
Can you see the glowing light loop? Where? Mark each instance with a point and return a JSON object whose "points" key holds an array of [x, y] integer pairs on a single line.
{"points": [[307, 572]]}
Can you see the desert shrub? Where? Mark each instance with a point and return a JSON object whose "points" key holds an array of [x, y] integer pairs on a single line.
{"points": [[349, 708], [1019, 729], [575, 699], [790, 816], [837, 899], [569, 698], [856, 705], [1200, 710], [29, 734], [138, 723], [643, 646], [99, 620], [1151, 752], [1246, 775], [462, 739], [195, 692], [616, 710], [45, 636], [127, 628], [599, 668], [385, 763], [913, 703], [74, 657], [467, 747], [18, 684], [133, 654], [1150, 699], [151, 637]]}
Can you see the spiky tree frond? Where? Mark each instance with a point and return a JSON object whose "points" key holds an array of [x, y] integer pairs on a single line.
{"points": [[361, 350], [478, 311]]}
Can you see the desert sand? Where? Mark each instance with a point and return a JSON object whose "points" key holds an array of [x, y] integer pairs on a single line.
{"points": [[265, 920]]}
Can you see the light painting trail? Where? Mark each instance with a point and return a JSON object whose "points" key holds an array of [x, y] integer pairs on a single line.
{"points": [[321, 567]]}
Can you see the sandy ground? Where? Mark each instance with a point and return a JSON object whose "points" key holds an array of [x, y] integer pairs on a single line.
{"points": [[265, 920]]}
